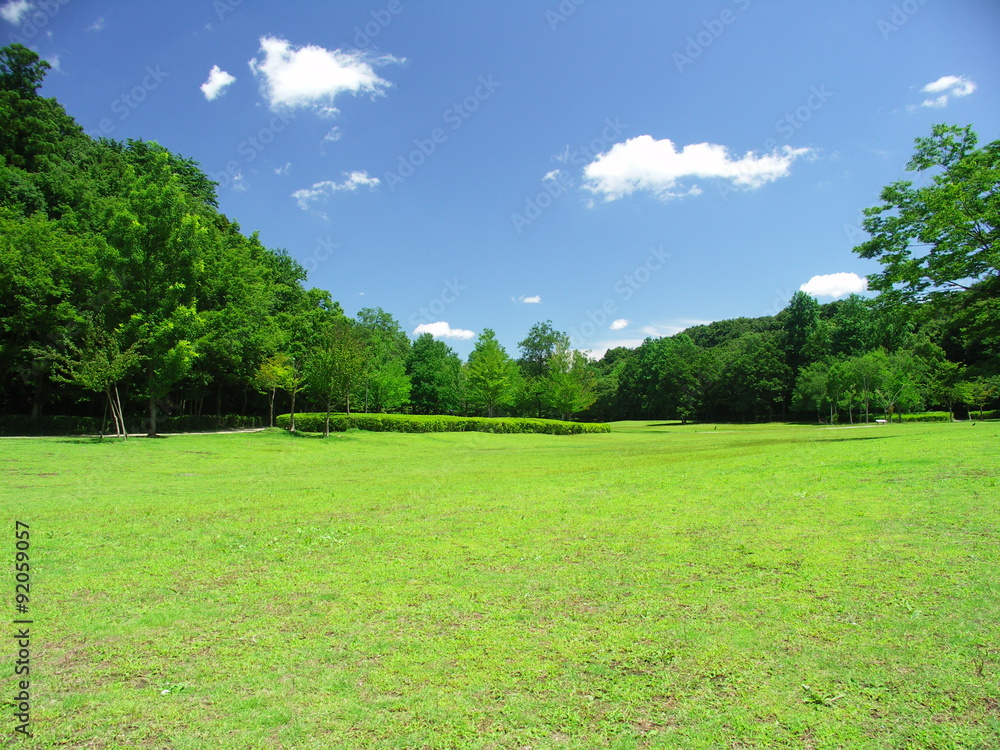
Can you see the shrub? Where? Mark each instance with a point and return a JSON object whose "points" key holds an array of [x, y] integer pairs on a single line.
{"points": [[313, 422], [928, 416]]}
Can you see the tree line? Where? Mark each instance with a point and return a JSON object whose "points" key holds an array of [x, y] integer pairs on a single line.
{"points": [[125, 292]]}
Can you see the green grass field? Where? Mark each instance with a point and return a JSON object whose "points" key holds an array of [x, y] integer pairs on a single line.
{"points": [[657, 587]]}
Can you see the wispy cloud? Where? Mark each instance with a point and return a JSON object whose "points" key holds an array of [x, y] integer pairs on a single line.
{"points": [[536, 300], [646, 164], [97, 25], [217, 82], [14, 11], [312, 76], [835, 285], [326, 188], [441, 330], [947, 87]]}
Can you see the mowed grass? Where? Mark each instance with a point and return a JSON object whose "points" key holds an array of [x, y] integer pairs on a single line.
{"points": [[658, 587]]}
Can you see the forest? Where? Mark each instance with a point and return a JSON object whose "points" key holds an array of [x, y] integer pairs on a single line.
{"points": [[127, 300]]}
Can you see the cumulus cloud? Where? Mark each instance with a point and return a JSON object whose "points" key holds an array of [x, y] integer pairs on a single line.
{"points": [[218, 80], [441, 330], [14, 11], [326, 188], [617, 325], [644, 163], [312, 76], [537, 299], [947, 87], [835, 285]]}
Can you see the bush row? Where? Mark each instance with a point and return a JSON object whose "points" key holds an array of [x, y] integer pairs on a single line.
{"points": [[943, 416], [313, 422]]}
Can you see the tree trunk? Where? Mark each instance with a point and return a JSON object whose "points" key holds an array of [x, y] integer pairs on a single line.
{"points": [[116, 406], [151, 430], [270, 401], [291, 421], [36, 401]]}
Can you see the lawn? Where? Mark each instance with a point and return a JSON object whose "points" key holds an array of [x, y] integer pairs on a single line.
{"points": [[662, 586]]}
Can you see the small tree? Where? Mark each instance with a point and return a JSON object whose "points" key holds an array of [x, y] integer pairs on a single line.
{"points": [[99, 366], [273, 374], [979, 392], [336, 365], [570, 385]]}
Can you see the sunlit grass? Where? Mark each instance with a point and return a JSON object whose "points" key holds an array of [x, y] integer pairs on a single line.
{"points": [[662, 586]]}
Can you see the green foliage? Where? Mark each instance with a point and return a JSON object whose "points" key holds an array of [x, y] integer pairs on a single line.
{"points": [[21, 70], [440, 423], [946, 235], [434, 371], [492, 374]]}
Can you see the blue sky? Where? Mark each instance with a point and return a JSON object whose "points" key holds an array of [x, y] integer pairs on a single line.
{"points": [[624, 169]]}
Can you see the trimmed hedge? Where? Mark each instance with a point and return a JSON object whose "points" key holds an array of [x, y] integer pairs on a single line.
{"points": [[313, 422], [928, 416], [943, 416]]}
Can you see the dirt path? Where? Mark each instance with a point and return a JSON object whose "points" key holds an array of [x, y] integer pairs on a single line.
{"points": [[132, 434]]}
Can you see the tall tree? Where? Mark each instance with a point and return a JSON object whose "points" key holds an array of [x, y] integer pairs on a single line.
{"points": [[386, 383], [433, 369], [943, 236], [570, 383], [492, 374], [800, 319], [335, 366], [537, 348]]}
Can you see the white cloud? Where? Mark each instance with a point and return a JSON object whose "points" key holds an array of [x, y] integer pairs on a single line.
{"points": [[329, 187], [617, 325], [553, 175], [947, 87], [97, 25], [14, 11], [217, 82], [643, 163], [240, 183], [333, 135], [283, 170], [441, 330], [835, 285], [312, 76], [537, 299]]}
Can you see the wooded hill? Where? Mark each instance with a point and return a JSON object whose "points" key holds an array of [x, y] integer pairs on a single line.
{"points": [[127, 297]]}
